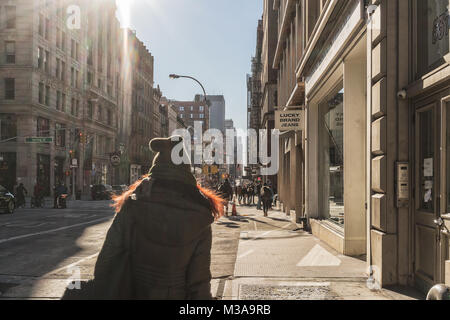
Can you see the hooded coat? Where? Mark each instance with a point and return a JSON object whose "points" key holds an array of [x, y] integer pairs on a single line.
{"points": [[159, 245]]}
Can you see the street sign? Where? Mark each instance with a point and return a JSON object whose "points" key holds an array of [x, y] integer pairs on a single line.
{"points": [[39, 140], [289, 120]]}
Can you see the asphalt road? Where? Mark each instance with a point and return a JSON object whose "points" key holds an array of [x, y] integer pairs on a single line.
{"points": [[42, 249]]}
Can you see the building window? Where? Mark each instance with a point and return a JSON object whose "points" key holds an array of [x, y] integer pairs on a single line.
{"points": [[99, 113], [47, 62], [72, 77], [331, 156], [433, 33], [72, 48], [58, 37], [63, 103], [63, 71], [181, 108], [43, 127], [47, 29], [10, 17], [41, 25], [202, 116], [90, 110], [58, 100], [10, 88], [60, 135], [63, 41], [41, 92], [72, 107], [40, 58], [109, 117], [201, 108], [8, 126], [10, 49], [47, 96]]}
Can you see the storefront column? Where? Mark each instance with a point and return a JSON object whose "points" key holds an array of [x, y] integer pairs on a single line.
{"points": [[355, 153]]}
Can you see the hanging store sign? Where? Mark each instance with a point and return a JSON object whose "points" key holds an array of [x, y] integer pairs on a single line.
{"points": [[290, 120]]}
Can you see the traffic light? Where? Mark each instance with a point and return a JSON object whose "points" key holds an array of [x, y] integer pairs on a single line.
{"points": [[82, 138]]}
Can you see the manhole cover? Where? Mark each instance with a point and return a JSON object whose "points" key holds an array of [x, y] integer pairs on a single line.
{"points": [[258, 292]]}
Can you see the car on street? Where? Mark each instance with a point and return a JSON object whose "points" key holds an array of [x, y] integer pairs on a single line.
{"points": [[7, 201], [101, 192], [119, 189]]}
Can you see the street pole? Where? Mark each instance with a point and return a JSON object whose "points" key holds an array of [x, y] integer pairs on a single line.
{"points": [[177, 76]]}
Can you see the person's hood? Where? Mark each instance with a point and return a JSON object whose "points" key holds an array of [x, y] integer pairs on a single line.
{"points": [[170, 215]]}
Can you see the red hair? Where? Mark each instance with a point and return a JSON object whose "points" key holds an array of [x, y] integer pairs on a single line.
{"points": [[216, 202]]}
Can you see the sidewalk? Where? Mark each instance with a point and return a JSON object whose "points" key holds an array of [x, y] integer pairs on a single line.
{"points": [[290, 264]]}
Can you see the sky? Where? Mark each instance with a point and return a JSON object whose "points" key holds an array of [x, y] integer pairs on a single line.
{"points": [[211, 40]]}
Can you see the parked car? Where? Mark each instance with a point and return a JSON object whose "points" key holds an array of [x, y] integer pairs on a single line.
{"points": [[7, 201], [119, 189], [101, 192]]}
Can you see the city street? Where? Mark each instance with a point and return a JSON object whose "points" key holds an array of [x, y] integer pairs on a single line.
{"points": [[252, 257]]}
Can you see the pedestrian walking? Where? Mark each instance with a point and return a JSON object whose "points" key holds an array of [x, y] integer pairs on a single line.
{"points": [[21, 191], [226, 192], [266, 197], [159, 245]]}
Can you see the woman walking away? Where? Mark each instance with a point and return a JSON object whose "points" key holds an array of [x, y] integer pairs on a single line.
{"points": [[159, 245], [266, 198]]}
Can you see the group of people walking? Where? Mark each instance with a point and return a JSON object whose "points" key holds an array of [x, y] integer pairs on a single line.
{"points": [[256, 193]]}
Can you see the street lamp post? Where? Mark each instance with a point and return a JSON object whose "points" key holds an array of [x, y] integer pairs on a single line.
{"points": [[177, 76]]}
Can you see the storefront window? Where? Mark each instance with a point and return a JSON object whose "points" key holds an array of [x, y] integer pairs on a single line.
{"points": [[8, 170], [331, 156], [433, 26]]}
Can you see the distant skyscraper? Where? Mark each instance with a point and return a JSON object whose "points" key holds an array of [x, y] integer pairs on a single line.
{"points": [[216, 111]]}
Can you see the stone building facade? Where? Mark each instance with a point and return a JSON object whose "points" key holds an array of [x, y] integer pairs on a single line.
{"points": [[373, 77], [288, 52], [70, 74], [58, 81], [138, 113]]}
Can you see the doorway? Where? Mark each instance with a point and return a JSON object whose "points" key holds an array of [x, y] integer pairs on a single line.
{"points": [[426, 209]]}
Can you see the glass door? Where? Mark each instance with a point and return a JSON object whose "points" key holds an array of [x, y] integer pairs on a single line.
{"points": [[427, 185]]}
